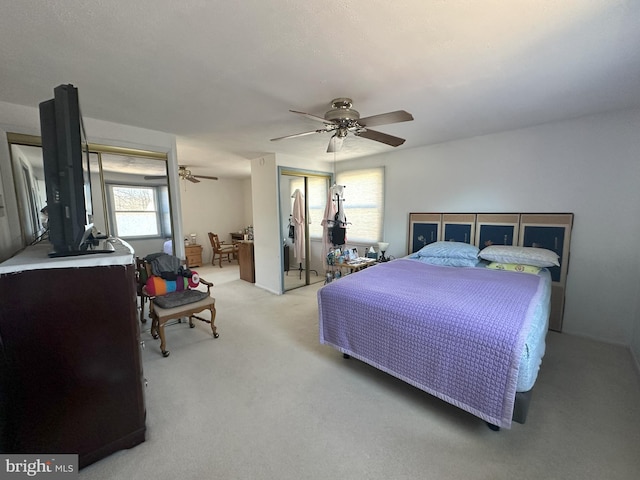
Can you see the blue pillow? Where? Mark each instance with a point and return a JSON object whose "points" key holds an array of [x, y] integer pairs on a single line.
{"points": [[458, 250]]}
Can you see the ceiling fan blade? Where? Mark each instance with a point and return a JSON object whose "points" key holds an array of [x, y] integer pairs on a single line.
{"points": [[386, 118], [381, 137], [314, 117], [335, 143], [204, 176], [192, 179], [298, 135]]}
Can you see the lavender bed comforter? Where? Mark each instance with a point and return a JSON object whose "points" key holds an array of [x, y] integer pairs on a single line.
{"points": [[456, 333]]}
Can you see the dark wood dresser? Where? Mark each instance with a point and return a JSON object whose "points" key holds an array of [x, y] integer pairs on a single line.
{"points": [[71, 372]]}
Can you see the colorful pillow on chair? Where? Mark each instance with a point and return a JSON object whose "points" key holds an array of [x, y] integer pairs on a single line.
{"points": [[159, 286]]}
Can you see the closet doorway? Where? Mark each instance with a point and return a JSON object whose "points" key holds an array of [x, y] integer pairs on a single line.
{"points": [[302, 193]]}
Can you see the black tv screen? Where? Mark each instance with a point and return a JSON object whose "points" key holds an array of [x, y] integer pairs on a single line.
{"points": [[66, 171]]}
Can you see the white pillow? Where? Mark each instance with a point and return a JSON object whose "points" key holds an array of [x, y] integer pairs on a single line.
{"points": [[538, 257]]}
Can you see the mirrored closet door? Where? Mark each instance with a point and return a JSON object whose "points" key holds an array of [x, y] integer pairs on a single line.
{"points": [[303, 196]]}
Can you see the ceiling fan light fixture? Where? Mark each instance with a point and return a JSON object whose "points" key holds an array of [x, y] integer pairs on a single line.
{"points": [[335, 143]]}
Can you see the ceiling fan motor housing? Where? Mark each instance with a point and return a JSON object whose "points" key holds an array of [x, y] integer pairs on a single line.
{"points": [[342, 111]]}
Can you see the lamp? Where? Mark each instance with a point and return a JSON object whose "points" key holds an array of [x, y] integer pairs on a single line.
{"points": [[382, 246]]}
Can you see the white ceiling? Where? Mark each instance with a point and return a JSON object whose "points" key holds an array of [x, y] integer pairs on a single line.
{"points": [[222, 75]]}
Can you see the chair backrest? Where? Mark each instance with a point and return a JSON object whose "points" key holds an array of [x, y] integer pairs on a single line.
{"points": [[215, 241], [143, 271]]}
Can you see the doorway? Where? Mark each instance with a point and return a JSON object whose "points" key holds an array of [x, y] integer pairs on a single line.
{"points": [[302, 244]]}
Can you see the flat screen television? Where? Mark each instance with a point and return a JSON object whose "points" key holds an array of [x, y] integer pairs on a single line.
{"points": [[65, 156]]}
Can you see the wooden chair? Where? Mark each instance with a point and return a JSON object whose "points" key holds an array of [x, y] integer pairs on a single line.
{"points": [[220, 249], [164, 307]]}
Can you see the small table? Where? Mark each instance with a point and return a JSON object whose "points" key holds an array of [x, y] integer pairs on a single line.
{"points": [[194, 255], [358, 264]]}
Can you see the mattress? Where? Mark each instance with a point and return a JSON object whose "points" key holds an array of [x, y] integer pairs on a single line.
{"points": [[534, 346]]}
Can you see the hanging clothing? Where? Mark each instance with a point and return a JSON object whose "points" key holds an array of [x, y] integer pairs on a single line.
{"points": [[328, 220], [338, 231], [298, 225], [337, 193], [291, 230]]}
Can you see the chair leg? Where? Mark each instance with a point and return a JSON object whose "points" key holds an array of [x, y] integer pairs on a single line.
{"points": [[143, 300], [163, 343], [212, 322], [154, 327], [214, 329]]}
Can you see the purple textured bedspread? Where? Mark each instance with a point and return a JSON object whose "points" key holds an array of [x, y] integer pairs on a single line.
{"points": [[456, 333]]}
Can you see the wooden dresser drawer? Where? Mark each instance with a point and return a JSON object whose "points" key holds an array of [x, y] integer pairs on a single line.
{"points": [[193, 253]]}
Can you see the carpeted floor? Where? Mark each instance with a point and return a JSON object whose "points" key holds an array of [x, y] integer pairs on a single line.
{"points": [[267, 401]]}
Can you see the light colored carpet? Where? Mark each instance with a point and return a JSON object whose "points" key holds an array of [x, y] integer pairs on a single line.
{"points": [[267, 401]]}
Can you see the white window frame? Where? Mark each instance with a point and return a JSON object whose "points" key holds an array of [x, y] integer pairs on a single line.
{"points": [[157, 211]]}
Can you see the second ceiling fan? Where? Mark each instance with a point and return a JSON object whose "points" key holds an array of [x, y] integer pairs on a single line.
{"points": [[185, 174], [342, 120]]}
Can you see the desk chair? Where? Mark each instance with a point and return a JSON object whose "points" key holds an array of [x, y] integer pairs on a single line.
{"points": [[220, 249]]}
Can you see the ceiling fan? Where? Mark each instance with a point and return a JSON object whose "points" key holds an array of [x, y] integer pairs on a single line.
{"points": [[184, 173], [342, 120]]}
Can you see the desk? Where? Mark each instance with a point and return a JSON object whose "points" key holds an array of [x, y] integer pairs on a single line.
{"points": [[246, 261]]}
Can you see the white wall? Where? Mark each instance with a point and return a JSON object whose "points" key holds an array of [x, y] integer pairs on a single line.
{"points": [[589, 166], [267, 251], [214, 206]]}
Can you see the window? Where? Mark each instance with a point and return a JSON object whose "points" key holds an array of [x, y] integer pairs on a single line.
{"points": [[364, 204], [135, 210], [316, 199]]}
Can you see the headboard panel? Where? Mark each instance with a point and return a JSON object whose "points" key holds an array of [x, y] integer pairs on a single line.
{"points": [[545, 230]]}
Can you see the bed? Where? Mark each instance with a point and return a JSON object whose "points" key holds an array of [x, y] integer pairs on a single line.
{"points": [[472, 336]]}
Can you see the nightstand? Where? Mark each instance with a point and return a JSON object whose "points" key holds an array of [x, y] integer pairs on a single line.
{"points": [[194, 255]]}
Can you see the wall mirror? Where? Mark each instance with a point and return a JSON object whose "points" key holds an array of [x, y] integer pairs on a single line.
{"points": [[109, 166], [28, 177]]}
